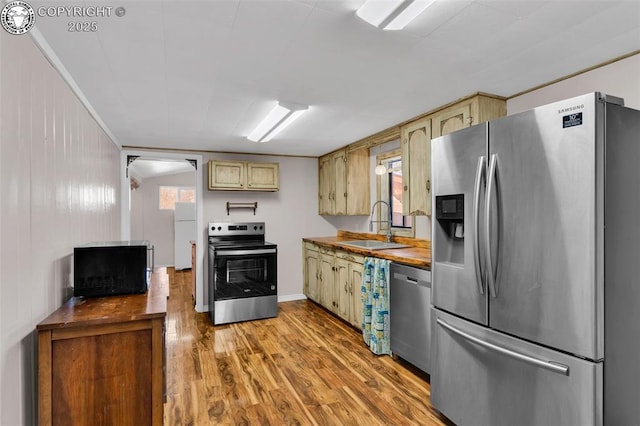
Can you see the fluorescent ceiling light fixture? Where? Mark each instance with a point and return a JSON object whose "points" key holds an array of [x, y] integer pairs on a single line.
{"points": [[280, 117], [391, 14]]}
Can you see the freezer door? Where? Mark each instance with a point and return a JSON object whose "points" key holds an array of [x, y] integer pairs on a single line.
{"points": [[458, 160], [544, 193], [482, 377]]}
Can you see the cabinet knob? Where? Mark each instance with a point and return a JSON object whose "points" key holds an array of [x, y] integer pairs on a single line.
{"points": [[405, 187]]}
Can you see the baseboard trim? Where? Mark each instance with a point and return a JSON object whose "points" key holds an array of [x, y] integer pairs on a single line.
{"points": [[291, 297]]}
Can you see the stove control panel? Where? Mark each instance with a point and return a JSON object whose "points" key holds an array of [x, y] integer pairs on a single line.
{"points": [[233, 228]]}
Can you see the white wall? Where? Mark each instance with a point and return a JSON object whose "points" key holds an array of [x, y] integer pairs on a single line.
{"points": [[621, 78], [59, 187], [290, 214], [148, 222]]}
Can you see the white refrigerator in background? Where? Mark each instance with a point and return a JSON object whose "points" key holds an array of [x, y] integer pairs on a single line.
{"points": [[185, 232]]}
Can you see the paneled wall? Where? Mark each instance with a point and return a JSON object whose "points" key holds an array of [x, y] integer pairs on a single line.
{"points": [[59, 187]]}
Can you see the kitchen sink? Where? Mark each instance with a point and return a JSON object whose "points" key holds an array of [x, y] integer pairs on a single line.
{"points": [[373, 244]]}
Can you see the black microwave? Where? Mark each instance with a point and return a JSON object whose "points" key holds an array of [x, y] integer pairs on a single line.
{"points": [[109, 268]]}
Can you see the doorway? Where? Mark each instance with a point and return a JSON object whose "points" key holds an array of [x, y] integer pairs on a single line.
{"points": [[143, 173]]}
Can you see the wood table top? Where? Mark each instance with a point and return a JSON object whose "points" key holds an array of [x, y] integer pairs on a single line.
{"points": [[81, 311]]}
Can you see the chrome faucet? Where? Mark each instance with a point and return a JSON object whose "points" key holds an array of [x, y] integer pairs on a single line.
{"points": [[371, 221]]}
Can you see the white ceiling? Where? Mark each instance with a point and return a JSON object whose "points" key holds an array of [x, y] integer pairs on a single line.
{"points": [[201, 74]]}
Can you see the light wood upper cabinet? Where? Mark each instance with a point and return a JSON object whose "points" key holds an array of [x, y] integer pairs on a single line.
{"points": [[467, 112], [416, 167], [343, 183], [416, 144], [332, 184], [452, 120], [243, 176], [416, 135], [358, 190], [227, 175], [340, 188], [326, 185], [263, 176]]}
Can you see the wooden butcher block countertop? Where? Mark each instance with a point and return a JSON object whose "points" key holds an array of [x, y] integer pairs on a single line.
{"points": [[79, 312], [418, 255]]}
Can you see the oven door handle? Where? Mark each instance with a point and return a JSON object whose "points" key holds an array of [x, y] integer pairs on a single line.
{"points": [[244, 252]]}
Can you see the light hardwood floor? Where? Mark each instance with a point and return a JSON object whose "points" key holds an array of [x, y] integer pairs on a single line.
{"points": [[304, 367]]}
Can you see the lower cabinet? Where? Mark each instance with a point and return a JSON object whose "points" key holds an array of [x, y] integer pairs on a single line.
{"points": [[327, 280], [102, 360], [333, 279], [349, 269], [311, 273]]}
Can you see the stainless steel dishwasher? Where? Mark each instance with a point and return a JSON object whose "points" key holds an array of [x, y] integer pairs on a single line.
{"points": [[410, 314]]}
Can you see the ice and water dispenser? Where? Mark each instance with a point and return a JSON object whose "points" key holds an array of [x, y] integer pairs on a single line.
{"points": [[450, 229]]}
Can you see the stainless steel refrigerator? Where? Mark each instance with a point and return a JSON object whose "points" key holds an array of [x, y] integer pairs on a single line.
{"points": [[536, 267]]}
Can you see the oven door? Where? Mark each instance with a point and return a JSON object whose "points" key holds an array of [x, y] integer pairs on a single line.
{"points": [[241, 273]]}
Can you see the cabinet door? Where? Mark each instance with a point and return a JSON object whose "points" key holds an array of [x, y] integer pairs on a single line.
{"points": [[452, 120], [416, 167], [311, 272], [358, 190], [326, 185], [355, 299], [340, 176], [327, 279], [226, 174], [263, 176], [342, 288]]}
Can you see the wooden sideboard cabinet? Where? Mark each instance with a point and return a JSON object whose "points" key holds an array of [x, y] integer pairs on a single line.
{"points": [[102, 360]]}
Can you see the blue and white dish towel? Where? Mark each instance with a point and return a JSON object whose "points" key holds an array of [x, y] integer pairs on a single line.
{"points": [[375, 305]]}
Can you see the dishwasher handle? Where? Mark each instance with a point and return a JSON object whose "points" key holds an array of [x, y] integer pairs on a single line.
{"points": [[415, 281]]}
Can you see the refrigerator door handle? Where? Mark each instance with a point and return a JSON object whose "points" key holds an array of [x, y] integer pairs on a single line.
{"points": [[491, 183], [547, 365], [480, 174]]}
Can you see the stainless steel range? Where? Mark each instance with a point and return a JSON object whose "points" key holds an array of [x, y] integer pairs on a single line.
{"points": [[242, 273]]}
